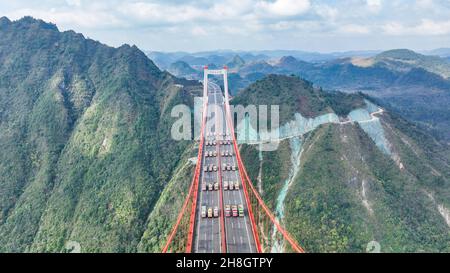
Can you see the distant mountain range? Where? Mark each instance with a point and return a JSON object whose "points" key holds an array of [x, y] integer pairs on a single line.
{"points": [[163, 59], [413, 84], [441, 52], [220, 57]]}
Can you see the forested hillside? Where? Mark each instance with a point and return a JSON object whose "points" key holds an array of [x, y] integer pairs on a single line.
{"points": [[366, 175], [85, 139]]}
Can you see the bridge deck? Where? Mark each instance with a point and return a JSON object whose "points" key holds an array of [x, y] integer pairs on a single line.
{"points": [[237, 230]]}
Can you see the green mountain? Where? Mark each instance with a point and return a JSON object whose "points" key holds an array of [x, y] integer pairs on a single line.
{"points": [[85, 140], [338, 185], [236, 62], [404, 59], [182, 69], [256, 67], [294, 96], [288, 64]]}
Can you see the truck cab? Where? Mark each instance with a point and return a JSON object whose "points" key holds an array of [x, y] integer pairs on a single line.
{"points": [[227, 211], [203, 211], [210, 213], [234, 211], [241, 210]]}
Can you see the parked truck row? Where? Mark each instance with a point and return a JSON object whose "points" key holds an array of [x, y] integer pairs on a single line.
{"points": [[217, 135], [230, 185], [210, 212], [234, 211], [211, 143], [227, 153], [210, 168], [211, 154], [210, 186], [214, 142], [228, 167], [230, 211]]}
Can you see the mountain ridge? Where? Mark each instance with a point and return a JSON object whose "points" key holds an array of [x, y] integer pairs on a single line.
{"points": [[86, 123], [344, 184], [401, 78]]}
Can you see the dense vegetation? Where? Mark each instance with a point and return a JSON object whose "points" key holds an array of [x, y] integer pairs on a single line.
{"points": [[296, 95], [85, 138], [274, 167], [348, 192], [292, 94], [325, 209]]}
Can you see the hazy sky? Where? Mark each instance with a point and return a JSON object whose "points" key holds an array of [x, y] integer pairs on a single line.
{"points": [[312, 25]]}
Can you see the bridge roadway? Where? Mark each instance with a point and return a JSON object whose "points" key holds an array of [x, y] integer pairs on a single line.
{"points": [[209, 231]]}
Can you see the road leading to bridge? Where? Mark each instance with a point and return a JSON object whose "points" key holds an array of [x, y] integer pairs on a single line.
{"points": [[212, 232]]}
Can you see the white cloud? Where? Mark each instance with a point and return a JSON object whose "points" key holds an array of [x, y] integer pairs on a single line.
{"points": [[240, 21], [327, 12], [374, 5], [394, 28], [284, 7], [231, 8], [424, 4], [425, 28], [160, 13], [76, 3], [354, 29], [199, 31], [429, 27], [72, 19], [283, 25]]}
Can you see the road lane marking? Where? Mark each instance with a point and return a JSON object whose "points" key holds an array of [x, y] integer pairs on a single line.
{"points": [[200, 218], [217, 181], [203, 180], [245, 217], [206, 240], [230, 196]]}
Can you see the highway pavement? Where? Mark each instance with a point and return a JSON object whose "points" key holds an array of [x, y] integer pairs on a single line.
{"points": [[211, 232]]}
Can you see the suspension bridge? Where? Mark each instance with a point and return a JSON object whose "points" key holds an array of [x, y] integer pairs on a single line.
{"points": [[223, 211]]}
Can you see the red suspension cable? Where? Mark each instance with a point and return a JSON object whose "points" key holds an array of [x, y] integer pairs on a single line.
{"points": [[261, 202], [244, 187], [193, 187]]}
